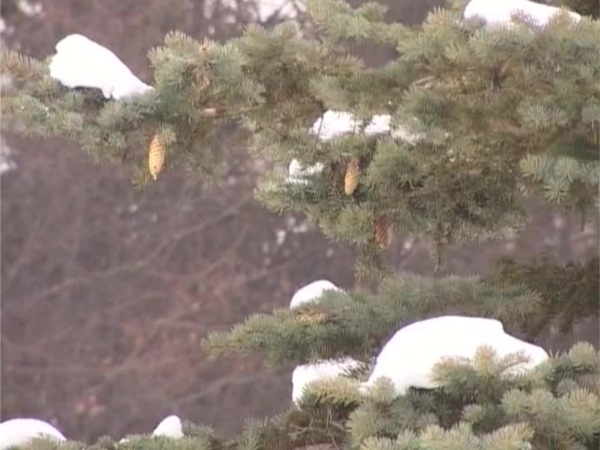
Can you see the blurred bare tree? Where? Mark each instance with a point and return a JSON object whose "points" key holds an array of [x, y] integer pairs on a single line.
{"points": [[106, 291]]}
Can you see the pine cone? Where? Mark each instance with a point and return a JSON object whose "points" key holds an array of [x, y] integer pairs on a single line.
{"points": [[352, 176], [381, 232], [310, 317], [156, 157]]}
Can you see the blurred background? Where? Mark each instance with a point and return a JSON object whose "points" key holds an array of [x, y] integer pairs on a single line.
{"points": [[107, 291]]}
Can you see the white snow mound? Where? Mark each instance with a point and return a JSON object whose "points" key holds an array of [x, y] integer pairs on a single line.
{"points": [[308, 373], [311, 293], [409, 357], [170, 427], [19, 432], [299, 174], [337, 123], [81, 62], [499, 12]]}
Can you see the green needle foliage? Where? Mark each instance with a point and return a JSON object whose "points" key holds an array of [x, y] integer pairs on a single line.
{"points": [[501, 113], [356, 323], [495, 115], [556, 406], [568, 292]]}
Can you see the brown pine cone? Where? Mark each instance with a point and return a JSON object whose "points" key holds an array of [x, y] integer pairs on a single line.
{"points": [[352, 176], [156, 157], [381, 232]]}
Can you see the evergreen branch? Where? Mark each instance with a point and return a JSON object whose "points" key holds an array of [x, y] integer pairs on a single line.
{"points": [[552, 407], [567, 293], [356, 324], [22, 67], [465, 108], [471, 118], [363, 24]]}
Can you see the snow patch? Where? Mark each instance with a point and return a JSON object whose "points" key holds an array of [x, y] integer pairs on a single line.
{"points": [[81, 62], [30, 9], [19, 432], [309, 373], [312, 292], [410, 356], [500, 13], [6, 162], [260, 10]]}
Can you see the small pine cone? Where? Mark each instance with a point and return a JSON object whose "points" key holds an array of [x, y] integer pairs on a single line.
{"points": [[381, 232], [156, 157], [309, 317], [352, 176]]}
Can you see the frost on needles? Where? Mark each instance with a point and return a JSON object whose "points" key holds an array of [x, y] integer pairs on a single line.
{"points": [[443, 142]]}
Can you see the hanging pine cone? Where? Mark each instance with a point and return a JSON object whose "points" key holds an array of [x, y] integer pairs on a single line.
{"points": [[352, 176], [381, 232], [156, 157]]}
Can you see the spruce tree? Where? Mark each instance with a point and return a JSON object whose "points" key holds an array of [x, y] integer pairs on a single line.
{"points": [[475, 119]]}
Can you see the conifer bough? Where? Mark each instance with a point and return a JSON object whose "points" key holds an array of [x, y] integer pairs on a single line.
{"points": [[451, 134], [503, 110]]}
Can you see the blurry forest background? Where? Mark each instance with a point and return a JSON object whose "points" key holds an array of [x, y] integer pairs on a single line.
{"points": [[107, 291]]}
